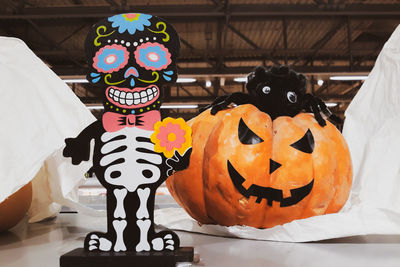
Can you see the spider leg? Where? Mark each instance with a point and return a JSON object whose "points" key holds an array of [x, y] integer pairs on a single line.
{"points": [[312, 103], [238, 98], [327, 112], [215, 102]]}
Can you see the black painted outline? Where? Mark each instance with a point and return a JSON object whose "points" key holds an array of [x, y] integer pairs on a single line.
{"points": [[247, 136], [268, 193], [306, 143]]}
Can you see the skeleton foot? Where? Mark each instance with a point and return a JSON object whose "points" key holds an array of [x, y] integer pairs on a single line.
{"points": [[96, 241], [166, 241]]}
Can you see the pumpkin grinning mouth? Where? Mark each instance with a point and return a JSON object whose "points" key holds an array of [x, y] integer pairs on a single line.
{"points": [[268, 193]]}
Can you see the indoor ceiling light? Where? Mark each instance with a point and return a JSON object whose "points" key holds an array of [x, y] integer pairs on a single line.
{"points": [[240, 79], [185, 80], [320, 82], [208, 83], [94, 106], [222, 81], [349, 78], [179, 106], [331, 104], [81, 80]]}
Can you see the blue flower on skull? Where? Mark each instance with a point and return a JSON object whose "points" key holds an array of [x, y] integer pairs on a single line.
{"points": [[130, 22]]}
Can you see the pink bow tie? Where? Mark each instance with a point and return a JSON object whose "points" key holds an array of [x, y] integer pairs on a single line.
{"points": [[113, 122]]}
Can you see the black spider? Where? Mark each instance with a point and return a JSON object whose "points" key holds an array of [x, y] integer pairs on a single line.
{"points": [[278, 91]]}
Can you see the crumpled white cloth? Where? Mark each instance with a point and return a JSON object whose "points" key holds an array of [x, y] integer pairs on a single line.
{"points": [[372, 131], [37, 112]]}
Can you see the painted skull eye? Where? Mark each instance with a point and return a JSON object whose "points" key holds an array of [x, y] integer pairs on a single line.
{"points": [[306, 143], [110, 58], [292, 97], [247, 136], [266, 90], [153, 56]]}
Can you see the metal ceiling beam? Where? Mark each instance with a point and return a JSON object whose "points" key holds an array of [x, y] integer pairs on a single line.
{"points": [[232, 71], [180, 86], [241, 53], [349, 43], [318, 45], [284, 37], [112, 3], [322, 88], [243, 37], [352, 89], [71, 34], [256, 60], [52, 42], [191, 47], [77, 2], [207, 12], [204, 88], [246, 70], [186, 43]]}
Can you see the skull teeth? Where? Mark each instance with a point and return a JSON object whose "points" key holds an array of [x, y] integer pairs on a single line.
{"points": [[128, 98]]}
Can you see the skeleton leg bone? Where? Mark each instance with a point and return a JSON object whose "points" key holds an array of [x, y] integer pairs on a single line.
{"points": [[120, 195], [142, 212], [144, 226], [119, 227]]}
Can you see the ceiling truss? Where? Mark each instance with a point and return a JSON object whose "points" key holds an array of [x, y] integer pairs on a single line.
{"points": [[220, 62]]}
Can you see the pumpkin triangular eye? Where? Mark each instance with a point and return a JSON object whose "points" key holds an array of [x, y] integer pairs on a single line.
{"points": [[306, 143], [247, 136]]}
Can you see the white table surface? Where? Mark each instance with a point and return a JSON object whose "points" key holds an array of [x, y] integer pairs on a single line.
{"points": [[41, 244]]}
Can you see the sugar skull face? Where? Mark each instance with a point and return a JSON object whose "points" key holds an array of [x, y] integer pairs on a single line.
{"points": [[130, 56]]}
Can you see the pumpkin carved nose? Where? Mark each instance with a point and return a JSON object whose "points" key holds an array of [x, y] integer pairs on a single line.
{"points": [[273, 166]]}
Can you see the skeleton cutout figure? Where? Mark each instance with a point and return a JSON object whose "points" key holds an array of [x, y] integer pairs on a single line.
{"points": [[130, 56]]}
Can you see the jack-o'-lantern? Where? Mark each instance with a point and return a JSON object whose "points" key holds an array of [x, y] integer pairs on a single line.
{"points": [[246, 169]]}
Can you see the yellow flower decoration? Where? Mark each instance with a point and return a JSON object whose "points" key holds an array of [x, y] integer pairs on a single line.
{"points": [[171, 134]]}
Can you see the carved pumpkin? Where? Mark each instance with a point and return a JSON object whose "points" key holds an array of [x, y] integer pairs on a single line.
{"points": [[14, 208], [246, 169]]}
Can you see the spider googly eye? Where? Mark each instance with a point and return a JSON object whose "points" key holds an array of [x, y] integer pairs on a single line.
{"points": [[266, 90], [292, 97]]}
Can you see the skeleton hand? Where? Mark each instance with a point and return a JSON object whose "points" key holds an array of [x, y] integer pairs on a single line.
{"points": [[178, 162], [77, 149]]}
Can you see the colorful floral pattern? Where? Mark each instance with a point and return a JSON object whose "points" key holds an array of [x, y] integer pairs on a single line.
{"points": [[110, 58], [130, 22], [153, 56], [171, 135]]}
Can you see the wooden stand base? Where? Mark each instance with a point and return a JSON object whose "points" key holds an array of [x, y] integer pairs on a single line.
{"points": [[81, 258]]}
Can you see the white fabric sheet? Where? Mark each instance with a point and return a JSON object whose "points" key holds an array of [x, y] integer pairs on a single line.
{"points": [[372, 131], [37, 112]]}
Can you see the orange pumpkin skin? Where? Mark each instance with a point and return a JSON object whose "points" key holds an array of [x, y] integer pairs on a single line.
{"points": [[207, 193], [14, 208]]}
